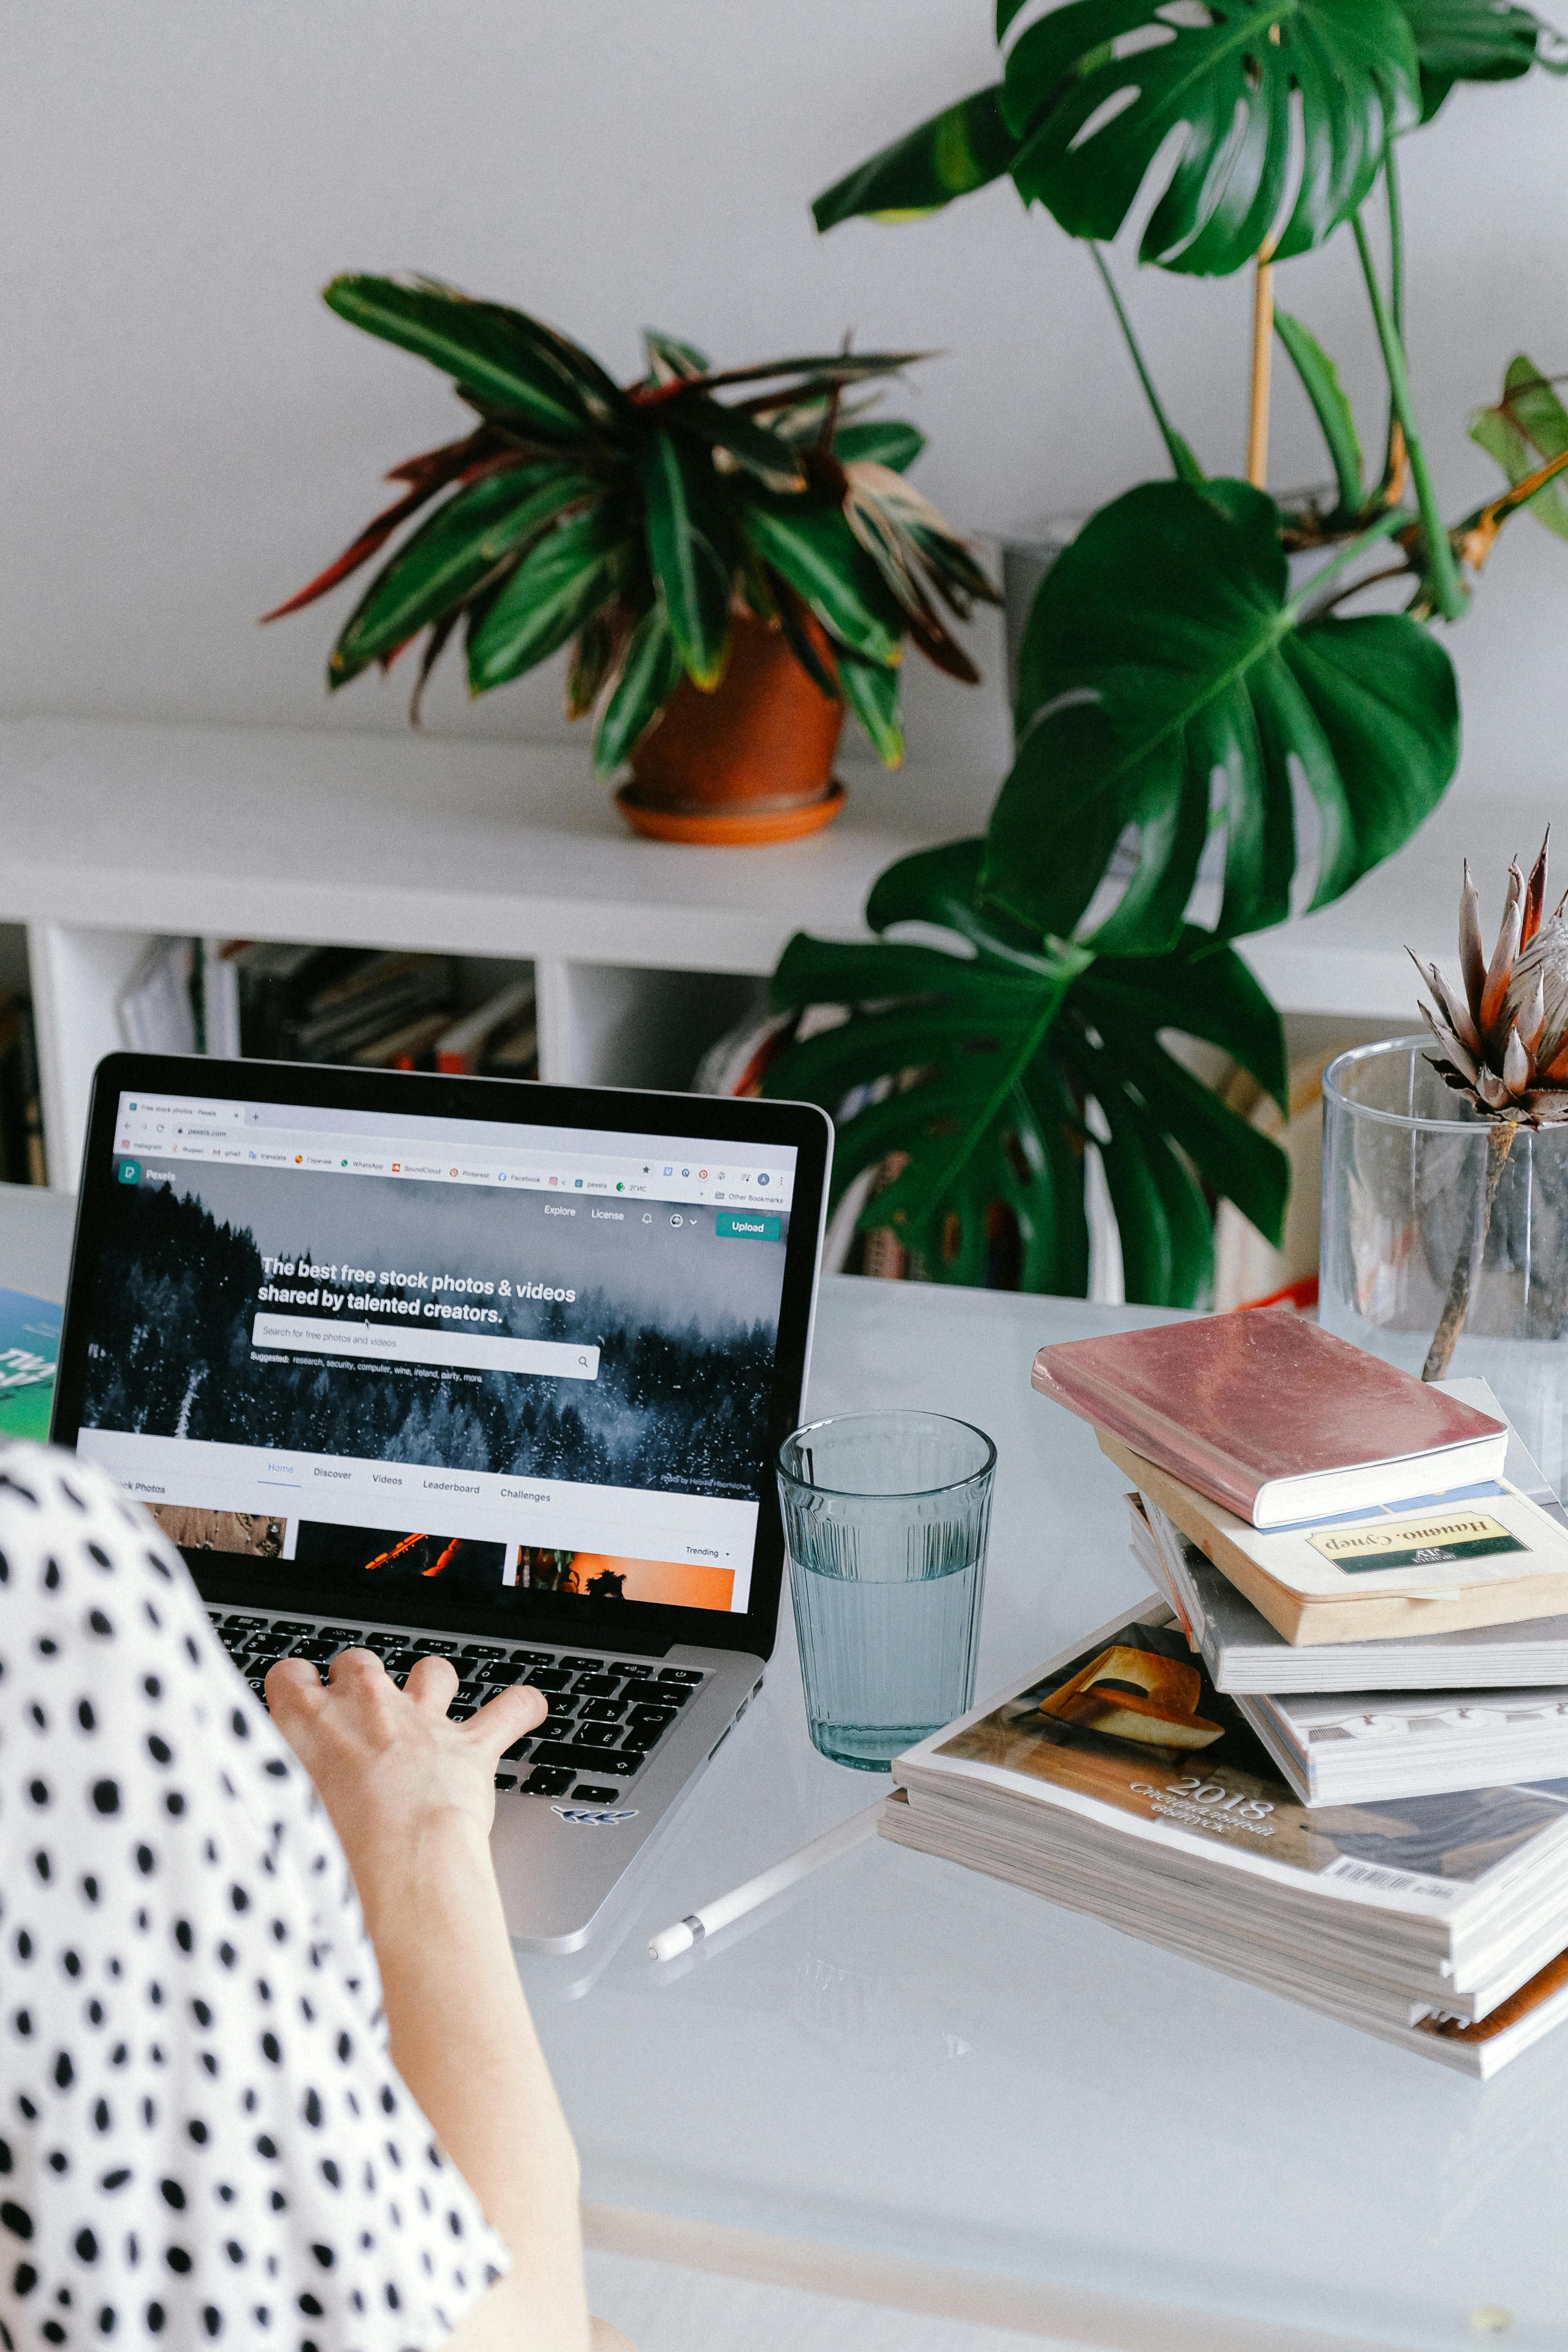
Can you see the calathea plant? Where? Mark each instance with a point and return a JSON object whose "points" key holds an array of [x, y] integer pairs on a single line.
{"points": [[632, 521], [1174, 686]]}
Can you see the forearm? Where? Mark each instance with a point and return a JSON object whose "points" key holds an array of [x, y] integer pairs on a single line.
{"points": [[462, 2038]]}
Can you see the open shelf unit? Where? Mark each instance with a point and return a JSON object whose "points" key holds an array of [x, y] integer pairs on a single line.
{"points": [[509, 854]]}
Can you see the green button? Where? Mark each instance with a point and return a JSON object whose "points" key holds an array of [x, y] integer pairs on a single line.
{"points": [[743, 1228], [129, 1171]]}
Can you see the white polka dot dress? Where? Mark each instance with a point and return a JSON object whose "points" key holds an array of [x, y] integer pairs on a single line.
{"points": [[203, 2139]]}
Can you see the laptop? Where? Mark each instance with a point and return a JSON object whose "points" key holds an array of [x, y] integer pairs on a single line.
{"points": [[475, 1368]]}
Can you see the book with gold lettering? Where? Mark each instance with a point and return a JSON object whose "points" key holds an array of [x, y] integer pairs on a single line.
{"points": [[1117, 1780], [1478, 1555]]}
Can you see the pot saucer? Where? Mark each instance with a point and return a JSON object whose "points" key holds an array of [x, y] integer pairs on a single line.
{"points": [[739, 828]]}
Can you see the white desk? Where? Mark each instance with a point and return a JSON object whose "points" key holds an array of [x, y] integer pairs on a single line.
{"points": [[909, 2083]]}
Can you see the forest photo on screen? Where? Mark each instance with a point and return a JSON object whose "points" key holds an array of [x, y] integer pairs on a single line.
{"points": [[686, 1328]]}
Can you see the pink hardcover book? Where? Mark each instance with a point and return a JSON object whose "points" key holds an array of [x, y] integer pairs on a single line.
{"points": [[1272, 1417]]}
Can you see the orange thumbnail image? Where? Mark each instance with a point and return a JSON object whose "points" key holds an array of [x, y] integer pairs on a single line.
{"points": [[611, 1576]]}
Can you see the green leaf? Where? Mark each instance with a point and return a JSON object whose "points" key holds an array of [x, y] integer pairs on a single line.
{"points": [[508, 362], [1321, 382], [649, 674], [1478, 40], [763, 453], [872, 693], [1162, 661], [691, 545], [671, 360], [976, 1066], [1528, 425], [958, 151], [883, 441], [1093, 91], [818, 554], [436, 570], [563, 580]]}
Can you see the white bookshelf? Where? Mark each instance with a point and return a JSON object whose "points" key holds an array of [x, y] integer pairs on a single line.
{"points": [[642, 952]]}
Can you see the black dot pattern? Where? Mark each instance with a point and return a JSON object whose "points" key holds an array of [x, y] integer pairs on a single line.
{"points": [[200, 2123]]}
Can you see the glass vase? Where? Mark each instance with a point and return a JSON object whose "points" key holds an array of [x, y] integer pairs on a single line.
{"points": [[1407, 1236]]}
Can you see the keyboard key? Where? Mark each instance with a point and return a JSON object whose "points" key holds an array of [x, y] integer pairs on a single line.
{"points": [[662, 1693], [582, 1665], [678, 1674], [242, 1624], [647, 1722], [506, 1779], [593, 1796], [481, 1650], [550, 1678], [621, 1666], [518, 1747], [574, 1758], [347, 1637], [598, 1734], [438, 1649], [532, 1658], [602, 1711], [547, 1780], [494, 1671], [291, 1629]]}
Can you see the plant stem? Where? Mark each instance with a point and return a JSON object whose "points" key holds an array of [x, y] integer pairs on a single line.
{"points": [[1448, 591], [1184, 464], [1440, 1354], [1384, 527], [1262, 364]]}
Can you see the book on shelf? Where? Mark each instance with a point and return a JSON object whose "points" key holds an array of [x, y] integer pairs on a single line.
{"points": [[1482, 1554], [22, 1159], [499, 1037], [1117, 1781], [1242, 1652], [1271, 1417], [156, 1009]]}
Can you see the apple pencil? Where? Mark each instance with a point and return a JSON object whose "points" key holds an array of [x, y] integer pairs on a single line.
{"points": [[671, 1941]]}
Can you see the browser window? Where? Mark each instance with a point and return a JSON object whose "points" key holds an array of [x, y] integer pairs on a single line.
{"points": [[508, 1361]]}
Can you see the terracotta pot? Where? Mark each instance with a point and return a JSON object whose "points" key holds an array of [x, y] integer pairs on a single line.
{"points": [[751, 761]]}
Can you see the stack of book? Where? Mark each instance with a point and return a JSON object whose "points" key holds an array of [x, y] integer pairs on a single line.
{"points": [[1332, 1757], [279, 1001]]}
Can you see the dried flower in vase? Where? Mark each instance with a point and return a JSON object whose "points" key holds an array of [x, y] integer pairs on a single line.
{"points": [[1505, 1042], [1505, 1049]]}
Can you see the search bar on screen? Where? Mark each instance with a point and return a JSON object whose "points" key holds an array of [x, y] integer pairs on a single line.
{"points": [[557, 1359]]}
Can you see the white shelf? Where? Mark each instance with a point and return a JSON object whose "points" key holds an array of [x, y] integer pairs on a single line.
{"points": [[642, 952]]}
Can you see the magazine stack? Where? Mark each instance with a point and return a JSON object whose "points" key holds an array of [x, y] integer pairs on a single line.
{"points": [[1331, 1757]]}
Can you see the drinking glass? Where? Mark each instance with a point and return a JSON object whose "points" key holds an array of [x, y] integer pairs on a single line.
{"points": [[886, 1515]]}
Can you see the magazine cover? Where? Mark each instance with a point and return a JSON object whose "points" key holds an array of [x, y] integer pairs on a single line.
{"points": [[29, 1344], [1134, 1723]]}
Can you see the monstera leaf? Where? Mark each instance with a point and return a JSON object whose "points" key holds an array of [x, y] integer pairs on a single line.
{"points": [[1166, 680], [1093, 91], [980, 1065], [1478, 40]]}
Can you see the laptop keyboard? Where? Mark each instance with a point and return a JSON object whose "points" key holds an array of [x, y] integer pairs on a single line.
{"points": [[606, 1715]]}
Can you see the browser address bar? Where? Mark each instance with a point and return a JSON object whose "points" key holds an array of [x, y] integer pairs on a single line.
{"points": [[556, 1358]]}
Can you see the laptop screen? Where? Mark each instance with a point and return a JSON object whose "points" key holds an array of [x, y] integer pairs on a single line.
{"points": [[443, 1361]]}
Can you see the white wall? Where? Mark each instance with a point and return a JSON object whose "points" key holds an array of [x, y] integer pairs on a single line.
{"points": [[187, 434]]}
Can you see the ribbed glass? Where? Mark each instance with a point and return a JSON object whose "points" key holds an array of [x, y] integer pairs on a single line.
{"points": [[886, 1516], [1404, 1184]]}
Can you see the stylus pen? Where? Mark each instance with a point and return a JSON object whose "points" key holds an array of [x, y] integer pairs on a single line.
{"points": [[671, 1941]]}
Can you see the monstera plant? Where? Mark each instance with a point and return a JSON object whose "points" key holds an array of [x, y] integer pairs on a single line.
{"points": [[1186, 693]]}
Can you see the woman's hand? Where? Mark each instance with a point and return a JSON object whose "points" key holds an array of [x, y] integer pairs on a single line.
{"points": [[391, 1764]]}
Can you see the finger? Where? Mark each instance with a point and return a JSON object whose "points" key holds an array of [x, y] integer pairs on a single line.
{"points": [[351, 1666], [431, 1683], [509, 1715], [290, 1680]]}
